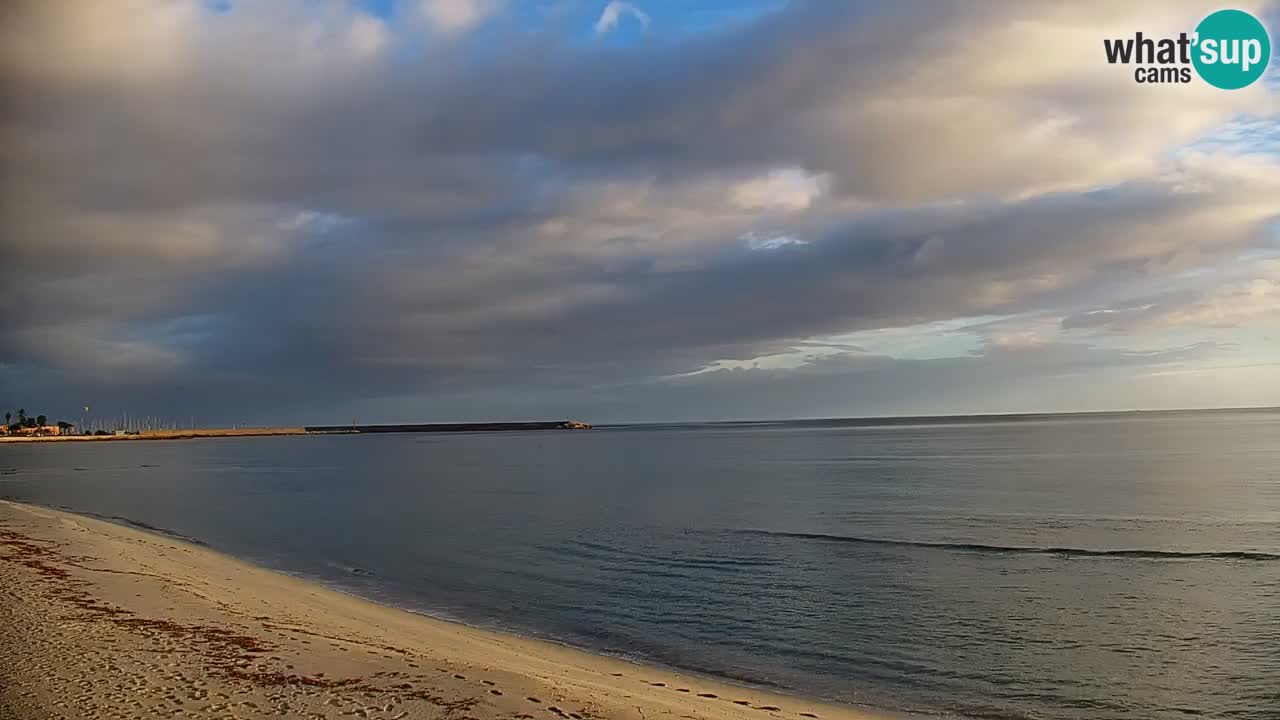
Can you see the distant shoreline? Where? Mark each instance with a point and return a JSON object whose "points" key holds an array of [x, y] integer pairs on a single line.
{"points": [[160, 435], [195, 433], [868, 421]]}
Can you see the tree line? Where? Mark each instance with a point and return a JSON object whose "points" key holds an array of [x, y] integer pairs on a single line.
{"points": [[23, 421]]}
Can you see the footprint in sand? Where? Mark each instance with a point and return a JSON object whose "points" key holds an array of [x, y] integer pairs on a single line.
{"points": [[616, 674], [534, 700], [682, 689], [770, 708], [495, 692], [709, 695], [741, 702], [808, 715], [658, 684], [488, 682], [459, 677]]}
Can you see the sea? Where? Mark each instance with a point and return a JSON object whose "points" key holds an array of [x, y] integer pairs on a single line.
{"points": [[1052, 567]]}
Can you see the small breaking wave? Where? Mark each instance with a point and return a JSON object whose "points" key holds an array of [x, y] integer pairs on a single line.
{"points": [[351, 569], [121, 520], [1026, 550]]}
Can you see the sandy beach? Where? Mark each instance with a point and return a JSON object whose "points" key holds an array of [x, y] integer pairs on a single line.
{"points": [[103, 621]]}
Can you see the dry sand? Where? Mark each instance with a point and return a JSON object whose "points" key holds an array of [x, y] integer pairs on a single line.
{"points": [[103, 621]]}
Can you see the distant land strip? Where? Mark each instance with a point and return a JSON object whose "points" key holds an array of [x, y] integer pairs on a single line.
{"points": [[450, 427], [312, 430]]}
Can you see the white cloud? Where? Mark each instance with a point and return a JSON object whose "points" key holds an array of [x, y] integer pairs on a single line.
{"points": [[780, 189], [454, 16], [770, 241], [613, 13], [310, 221], [367, 35]]}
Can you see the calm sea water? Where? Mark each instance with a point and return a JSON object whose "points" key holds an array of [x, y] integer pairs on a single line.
{"points": [[1062, 567]]}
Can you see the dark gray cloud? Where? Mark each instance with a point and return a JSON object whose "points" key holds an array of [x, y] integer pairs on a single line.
{"points": [[292, 207]]}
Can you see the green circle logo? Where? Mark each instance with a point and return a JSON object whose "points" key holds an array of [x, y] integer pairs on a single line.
{"points": [[1232, 49]]}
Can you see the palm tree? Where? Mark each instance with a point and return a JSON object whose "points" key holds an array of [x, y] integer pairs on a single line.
{"points": [[22, 416], [7, 416]]}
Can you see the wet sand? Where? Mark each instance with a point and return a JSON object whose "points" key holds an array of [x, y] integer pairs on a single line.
{"points": [[103, 621]]}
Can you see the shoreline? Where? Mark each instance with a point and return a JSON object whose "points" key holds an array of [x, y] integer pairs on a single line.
{"points": [[160, 435], [272, 431], [93, 594]]}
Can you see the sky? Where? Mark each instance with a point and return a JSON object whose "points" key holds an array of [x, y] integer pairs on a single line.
{"points": [[311, 211]]}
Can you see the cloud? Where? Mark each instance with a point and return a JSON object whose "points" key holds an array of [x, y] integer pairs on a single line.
{"points": [[455, 16], [1229, 303], [782, 189], [293, 204], [770, 241], [615, 11], [367, 36]]}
